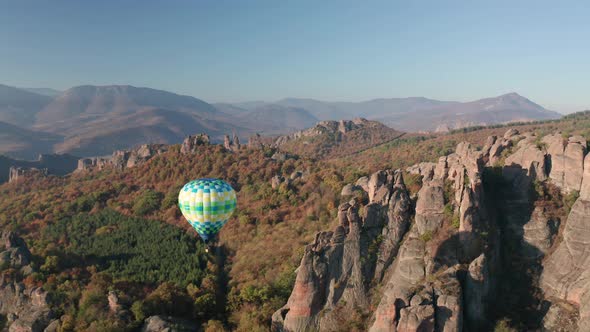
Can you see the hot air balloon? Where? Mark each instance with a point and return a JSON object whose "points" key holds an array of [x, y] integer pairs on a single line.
{"points": [[207, 204]]}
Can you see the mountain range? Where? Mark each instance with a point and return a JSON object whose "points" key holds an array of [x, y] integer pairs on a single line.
{"points": [[423, 114], [95, 120]]}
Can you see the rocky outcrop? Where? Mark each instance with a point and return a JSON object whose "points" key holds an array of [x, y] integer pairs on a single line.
{"points": [[430, 207], [425, 169], [566, 274], [98, 163], [495, 147], [191, 143], [539, 233], [420, 287], [567, 270], [19, 173], [15, 253], [168, 324], [231, 144], [397, 224], [337, 128], [122, 159], [530, 158], [26, 308], [567, 160], [296, 176], [443, 271], [350, 189], [338, 267], [255, 142]]}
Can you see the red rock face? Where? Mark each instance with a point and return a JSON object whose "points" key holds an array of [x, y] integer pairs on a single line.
{"points": [[300, 302], [385, 319]]}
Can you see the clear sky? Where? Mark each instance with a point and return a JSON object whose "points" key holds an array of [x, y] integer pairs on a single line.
{"points": [[331, 50]]}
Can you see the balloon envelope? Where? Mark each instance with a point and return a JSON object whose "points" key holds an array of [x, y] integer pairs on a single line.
{"points": [[207, 204]]}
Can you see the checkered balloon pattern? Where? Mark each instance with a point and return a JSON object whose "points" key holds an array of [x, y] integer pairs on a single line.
{"points": [[207, 204]]}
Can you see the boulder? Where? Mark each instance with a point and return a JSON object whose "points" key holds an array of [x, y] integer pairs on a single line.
{"points": [[168, 324], [573, 165], [430, 207], [496, 150], [348, 190], [510, 133], [53, 326], [556, 149], [363, 183], [530, 158], [425, 169], [416, 318]]}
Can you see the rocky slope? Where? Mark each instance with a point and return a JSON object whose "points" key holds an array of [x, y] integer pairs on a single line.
{"points": [[25, 307], [334, 138], [475, 245]]}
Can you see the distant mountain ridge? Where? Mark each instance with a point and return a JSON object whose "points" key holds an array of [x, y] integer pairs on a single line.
{"points": [[19, 107], [93, 120], [423, 114]]}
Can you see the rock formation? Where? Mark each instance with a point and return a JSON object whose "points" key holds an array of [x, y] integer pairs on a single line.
{"points": [[566, 158], [566, 274], [26, 308], [19, 173], [168, 324], [231, 144], [378, 247], [337, 128], [255, 142], [429, 275], [122, 159], [191, 143]]}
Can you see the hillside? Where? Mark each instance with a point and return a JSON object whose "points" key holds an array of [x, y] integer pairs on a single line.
{"points": [[44, 91], [19, 107], [270, 119], [81, 231], [97, 120], [22, 143]]}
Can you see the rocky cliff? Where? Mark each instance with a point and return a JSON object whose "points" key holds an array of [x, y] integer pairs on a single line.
{"points": [[25, 308], [121, 159], [478, 243]]}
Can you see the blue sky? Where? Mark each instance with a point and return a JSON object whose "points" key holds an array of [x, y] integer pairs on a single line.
{"points": [[330, 50]]}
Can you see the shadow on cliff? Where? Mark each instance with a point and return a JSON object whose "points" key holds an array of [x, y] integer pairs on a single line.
{"points": [[509, 288], [509, 200]]}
